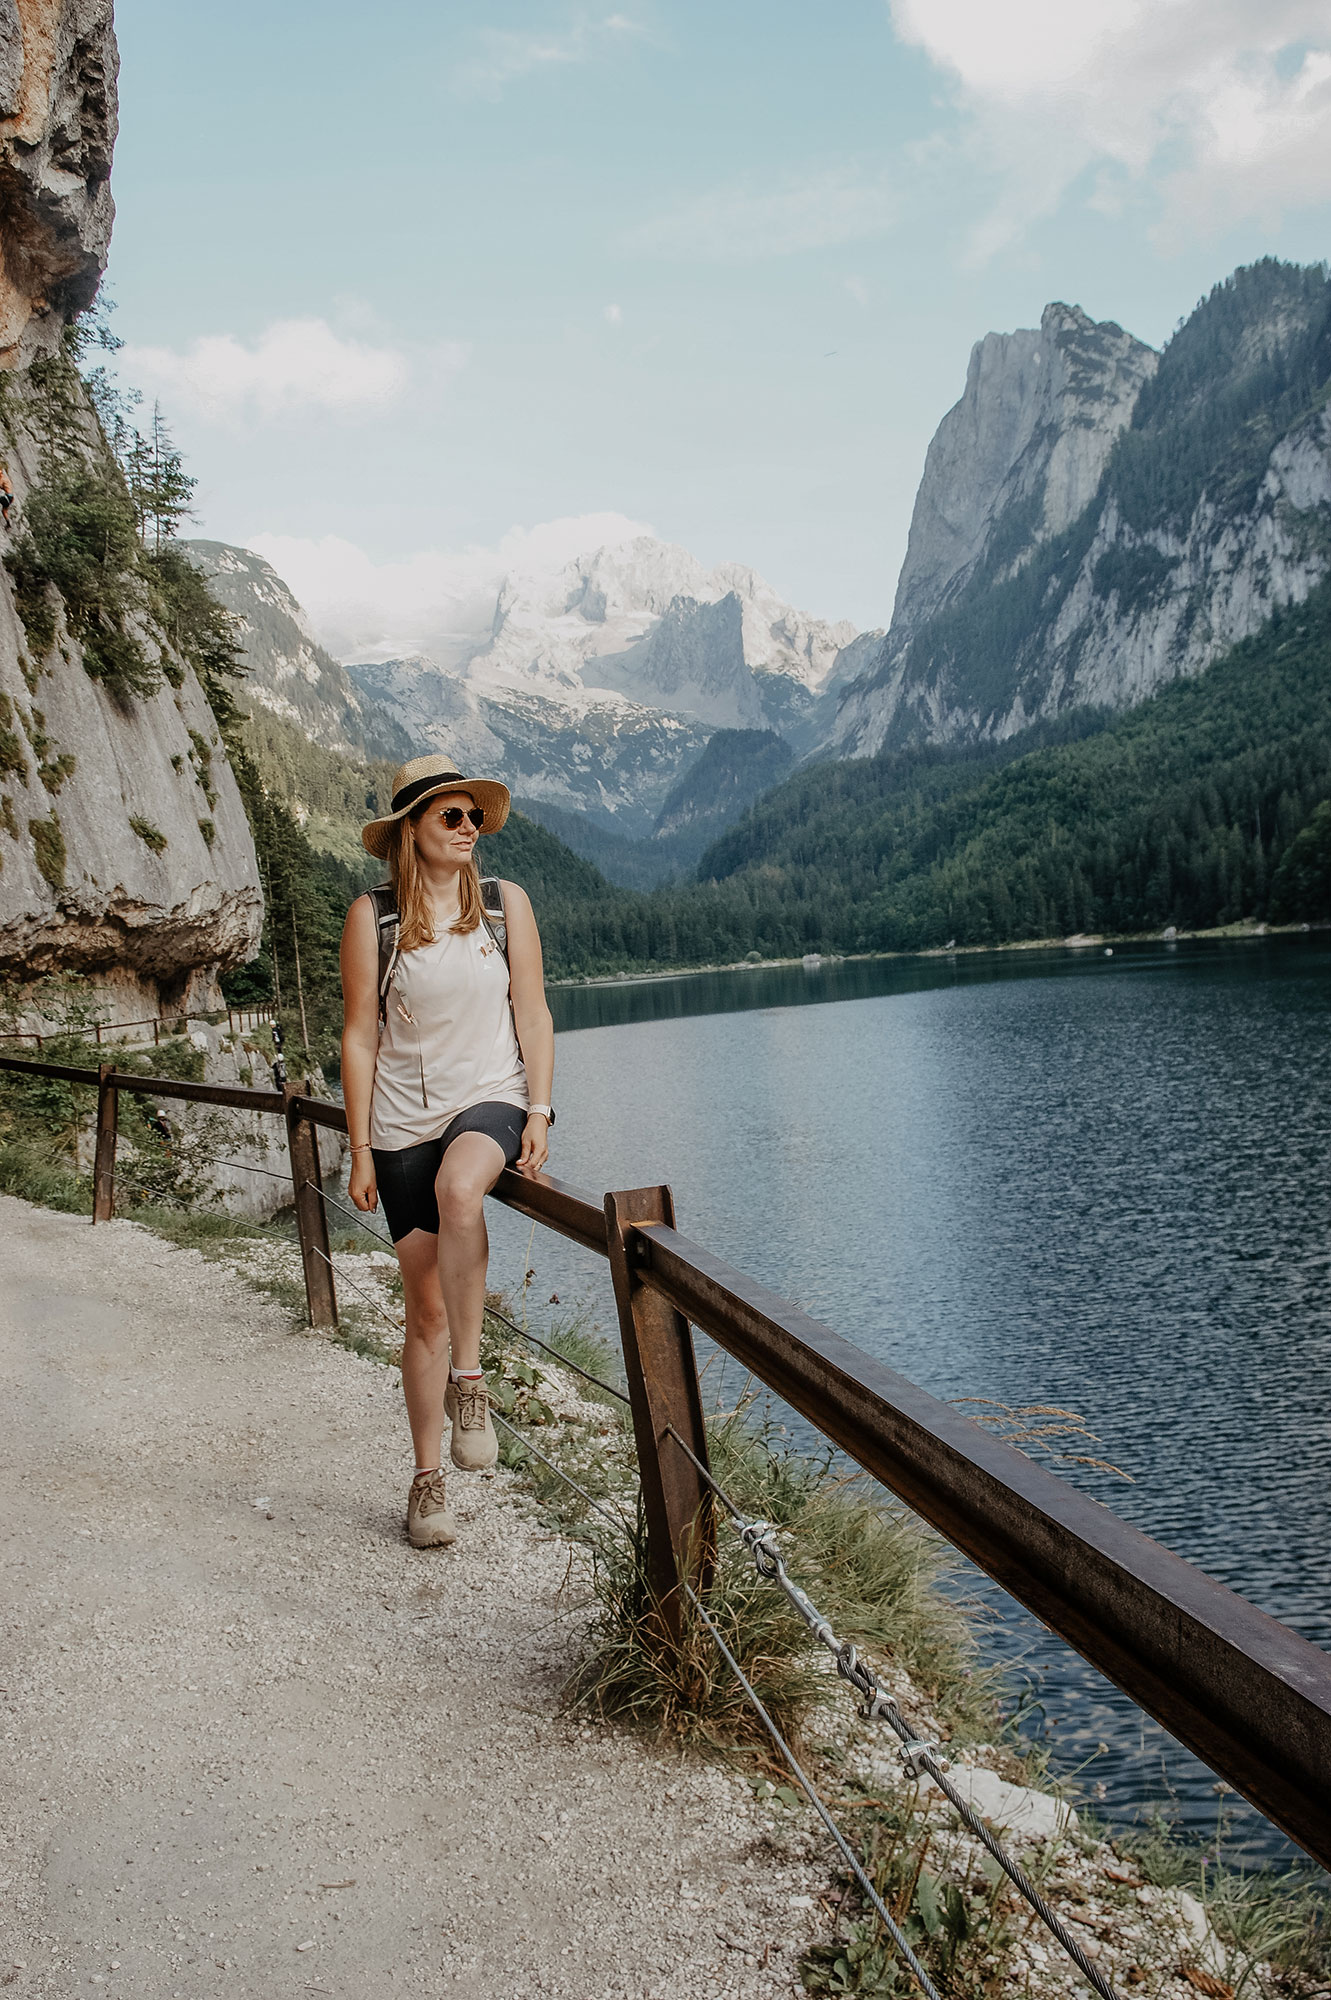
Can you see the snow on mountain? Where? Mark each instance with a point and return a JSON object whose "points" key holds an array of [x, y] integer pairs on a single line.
{"points": [[592, 623], [590, 684], [600, 679]]}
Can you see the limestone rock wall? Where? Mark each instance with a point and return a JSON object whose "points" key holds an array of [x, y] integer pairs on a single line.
{"points": [[1096, 525], [1029, 438], [126, 860], [126, 863], [57, 130]]}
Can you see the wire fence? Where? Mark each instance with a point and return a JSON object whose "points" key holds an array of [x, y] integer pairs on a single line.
{"points": [[621, 1527], [917, 1753]]}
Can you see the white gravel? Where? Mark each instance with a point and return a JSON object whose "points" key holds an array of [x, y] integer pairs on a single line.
{"points": [[256, 1745]]}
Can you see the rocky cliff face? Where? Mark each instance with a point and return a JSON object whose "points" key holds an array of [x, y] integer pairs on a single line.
{"points": [[126, 862], [287, 671], [127, 872], [1209, 509], [1020, 456], [57, 130]]}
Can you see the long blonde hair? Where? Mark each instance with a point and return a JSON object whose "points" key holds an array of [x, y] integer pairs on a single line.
{"points": [[412, 901]]}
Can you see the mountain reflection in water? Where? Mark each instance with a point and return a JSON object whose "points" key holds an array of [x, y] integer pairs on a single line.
{"points": [[1040, 1177]]}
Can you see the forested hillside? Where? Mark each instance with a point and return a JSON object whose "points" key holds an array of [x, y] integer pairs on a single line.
{"points": [[1180, 811]]}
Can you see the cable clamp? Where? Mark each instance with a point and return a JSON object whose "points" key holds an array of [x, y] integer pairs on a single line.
{"points": [[911, 1753]]}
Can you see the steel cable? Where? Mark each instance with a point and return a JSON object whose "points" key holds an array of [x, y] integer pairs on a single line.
{"points": [[893, 1929], [916, 1755], [239, 1166], [889, 1922], [521, 1331]]}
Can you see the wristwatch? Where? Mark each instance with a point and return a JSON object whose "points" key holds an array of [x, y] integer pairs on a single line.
{"points": [[546, 1111]]}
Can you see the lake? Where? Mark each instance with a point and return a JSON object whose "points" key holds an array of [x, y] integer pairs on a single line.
{"points": [[1052, 1176]]}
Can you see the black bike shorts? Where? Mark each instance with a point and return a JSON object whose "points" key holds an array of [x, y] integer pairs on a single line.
{"points": [[406, 1178]]}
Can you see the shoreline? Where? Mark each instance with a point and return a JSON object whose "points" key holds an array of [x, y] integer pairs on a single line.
{"points": [[1105, 940]]}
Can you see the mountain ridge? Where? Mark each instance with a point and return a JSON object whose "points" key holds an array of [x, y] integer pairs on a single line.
{"points": [[1213, 510]]}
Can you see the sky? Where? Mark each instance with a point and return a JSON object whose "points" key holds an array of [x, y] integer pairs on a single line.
{"points": [[442, 287]]}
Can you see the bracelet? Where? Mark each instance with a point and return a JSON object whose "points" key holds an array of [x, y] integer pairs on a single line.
{"points": [[366, 1148]]}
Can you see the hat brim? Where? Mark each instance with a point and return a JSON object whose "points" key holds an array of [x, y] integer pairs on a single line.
{"points": [[493, 799]]}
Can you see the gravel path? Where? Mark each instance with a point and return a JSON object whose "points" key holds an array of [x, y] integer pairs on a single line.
{"points": [[255, 1745]]}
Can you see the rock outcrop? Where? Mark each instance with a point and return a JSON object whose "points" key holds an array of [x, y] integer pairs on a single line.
{"points": [[1120, 547], [128, 875], [287, 671], [126, 861], [1020, 456], [57, 131]]}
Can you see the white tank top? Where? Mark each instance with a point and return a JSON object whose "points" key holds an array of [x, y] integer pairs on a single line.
{"points": [[447, 1041]]}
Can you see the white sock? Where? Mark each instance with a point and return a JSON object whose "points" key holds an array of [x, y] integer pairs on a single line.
{"points": [[423, 1471], [466, 1374]]}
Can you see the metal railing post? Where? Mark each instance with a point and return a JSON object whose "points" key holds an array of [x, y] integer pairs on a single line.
{"points": [[311, 1218], [662, 1375], [104, 1159]]}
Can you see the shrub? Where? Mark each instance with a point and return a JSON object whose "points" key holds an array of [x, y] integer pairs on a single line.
{"points": [[79, 538], [151, 836], [49, 841]]}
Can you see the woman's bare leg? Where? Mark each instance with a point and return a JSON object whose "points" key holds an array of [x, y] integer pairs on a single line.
{"points": [[470, 1168], [425, 1348]]}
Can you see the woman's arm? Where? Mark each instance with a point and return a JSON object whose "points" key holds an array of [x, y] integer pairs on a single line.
{"points": [[360, 1041], [531, 1018]]}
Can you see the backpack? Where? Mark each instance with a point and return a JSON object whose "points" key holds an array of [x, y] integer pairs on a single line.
{"points": [[389, 919]]}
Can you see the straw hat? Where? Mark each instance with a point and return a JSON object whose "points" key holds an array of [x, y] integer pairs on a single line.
{"points": [[421, 779]]}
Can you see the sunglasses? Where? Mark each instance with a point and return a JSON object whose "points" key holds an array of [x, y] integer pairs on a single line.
{"points": [[453, 816]]}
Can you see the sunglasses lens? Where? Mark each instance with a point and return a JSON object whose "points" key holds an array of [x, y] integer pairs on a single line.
{"points": [[453, 816], [476, 816]]}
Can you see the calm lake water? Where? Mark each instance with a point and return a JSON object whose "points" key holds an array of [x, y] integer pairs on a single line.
{"points": [[1040, 1177]]}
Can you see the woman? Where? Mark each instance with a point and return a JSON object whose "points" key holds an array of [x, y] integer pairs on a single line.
{"points": [[447, 1062]]}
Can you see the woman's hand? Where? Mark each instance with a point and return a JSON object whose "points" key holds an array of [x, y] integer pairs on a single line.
{"points": [[362, 1187], [535, 1146]]}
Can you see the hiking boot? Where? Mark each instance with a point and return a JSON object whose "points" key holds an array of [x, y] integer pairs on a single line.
{"points": [[474, 1447], [430, 1523]]}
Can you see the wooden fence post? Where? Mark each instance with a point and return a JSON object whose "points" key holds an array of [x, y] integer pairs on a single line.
{"points": [[662, 1375], [104, 1160], [311, 1217]]}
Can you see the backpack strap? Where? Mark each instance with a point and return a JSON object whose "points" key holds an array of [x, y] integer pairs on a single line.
{"points": [[492, 912], [389, 919]]}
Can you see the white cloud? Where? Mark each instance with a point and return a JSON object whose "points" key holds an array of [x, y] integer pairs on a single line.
{"points": [[751, 219], [504, 54], [294, 365], [438, 602], [615, 315], [859, 290], [1225, 102]]}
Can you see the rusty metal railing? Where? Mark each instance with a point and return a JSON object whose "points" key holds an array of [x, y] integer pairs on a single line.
{"points": [[1250, 1697]]}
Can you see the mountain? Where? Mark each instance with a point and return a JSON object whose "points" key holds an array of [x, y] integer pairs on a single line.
{"points": [[287, 671], [1020, 456], [734, 769], [1203, 805], [598, 683], [1081, 540], [644, 618], [737, 766], [598, 755]]}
